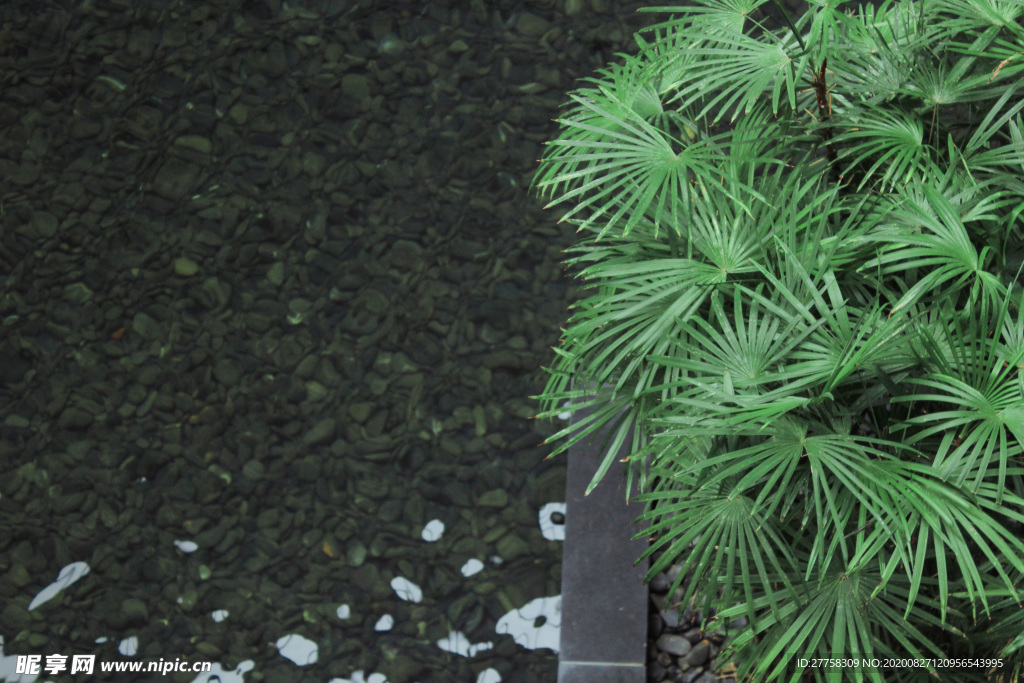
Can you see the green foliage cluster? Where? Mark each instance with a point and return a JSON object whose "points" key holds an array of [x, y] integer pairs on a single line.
{"points": [[801, 273]]}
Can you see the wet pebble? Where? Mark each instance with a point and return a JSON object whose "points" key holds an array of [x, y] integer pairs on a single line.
{"points": [[678, 651], [674, 644]]}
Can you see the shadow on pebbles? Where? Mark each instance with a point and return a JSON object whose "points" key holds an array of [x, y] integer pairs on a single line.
{"points": [[678, 650]]}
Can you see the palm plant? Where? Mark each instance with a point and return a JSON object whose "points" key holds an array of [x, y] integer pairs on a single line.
{"points": [[801, 296]]}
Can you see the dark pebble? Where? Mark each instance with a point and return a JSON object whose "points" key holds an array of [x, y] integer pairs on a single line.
{"points": [[674, 645], [699, 654], [74, 419]]}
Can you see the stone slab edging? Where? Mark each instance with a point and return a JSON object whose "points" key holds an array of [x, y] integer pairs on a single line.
{"points": [[604, 599]]}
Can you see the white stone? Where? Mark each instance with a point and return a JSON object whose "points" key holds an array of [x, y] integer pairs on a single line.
{"points": [[520, 623], [219, 674], [298, 649], [129, 646], [406, 589], [357, 677], [472, 566], [550, 530], [67, 576], [457, 643], [488, 676], [433, 530]]}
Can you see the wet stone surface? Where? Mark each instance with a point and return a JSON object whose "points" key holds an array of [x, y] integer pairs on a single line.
{"points": [[273, 297]]}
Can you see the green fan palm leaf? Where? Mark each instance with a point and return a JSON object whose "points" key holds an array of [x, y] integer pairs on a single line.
{"points": [[743, 69], [930, 237], [972, 14], [634, 164], [893, 142], [733, 544], [712, 17], [853, 611]]}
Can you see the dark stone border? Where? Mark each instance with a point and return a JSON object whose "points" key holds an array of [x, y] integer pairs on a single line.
{"points": [[604, 600]]}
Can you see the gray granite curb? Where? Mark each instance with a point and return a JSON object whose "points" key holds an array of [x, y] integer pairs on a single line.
{"points": [[604, 600]]}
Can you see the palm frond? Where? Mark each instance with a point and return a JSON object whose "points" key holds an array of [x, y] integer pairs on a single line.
{"points": [[893, 142], [852, 612], [976, 147], [933, 240], [729, 543], [710, 18], [971, 14]]}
